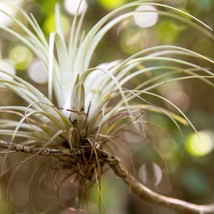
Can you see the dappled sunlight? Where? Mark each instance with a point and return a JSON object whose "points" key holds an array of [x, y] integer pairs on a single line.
{"points": [[147, 16], [110, 5], [8, 67], [200, 144], [151, 175], [21, 56], [75, 6], [37, 72], [9, 8], [131, 41], [97, 105], [49, 24]]}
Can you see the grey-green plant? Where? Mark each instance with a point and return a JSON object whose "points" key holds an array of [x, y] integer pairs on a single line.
{"points": [[93, 104]]}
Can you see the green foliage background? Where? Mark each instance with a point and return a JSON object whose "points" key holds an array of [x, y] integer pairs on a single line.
{"points": [[187, 176]]}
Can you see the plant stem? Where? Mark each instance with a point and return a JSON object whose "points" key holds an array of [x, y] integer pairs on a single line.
{"points": [[137, 187], [14, 147], [147, 194]]}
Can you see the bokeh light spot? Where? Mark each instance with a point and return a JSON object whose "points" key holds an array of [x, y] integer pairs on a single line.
{"points": [[200, 144], [153, 175], [37, 72], [75, 6], [21, 56], [110, 5], [50, 24], [146, 16], [131, 41], [7, 67], [7, 7]]}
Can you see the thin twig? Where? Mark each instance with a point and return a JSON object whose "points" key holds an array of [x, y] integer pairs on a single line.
{"points": [[147, 194], [34, 149]]}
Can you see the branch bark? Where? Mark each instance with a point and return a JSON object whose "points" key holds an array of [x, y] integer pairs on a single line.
{"points": [[137, 187], [14, 147], [147, 194]]}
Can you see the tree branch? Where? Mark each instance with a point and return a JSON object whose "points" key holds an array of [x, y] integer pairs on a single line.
{"points": [[137, 187], [145, 193], [34, 149]]}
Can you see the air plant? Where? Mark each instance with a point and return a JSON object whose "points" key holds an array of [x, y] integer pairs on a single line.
{"points": [[81, 120]]}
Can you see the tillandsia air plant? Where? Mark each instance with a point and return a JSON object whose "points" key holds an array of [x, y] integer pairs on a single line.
{"points": [[78, 127]]}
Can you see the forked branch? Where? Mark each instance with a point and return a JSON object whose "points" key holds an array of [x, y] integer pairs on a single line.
{"points": [[137, 187]]}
